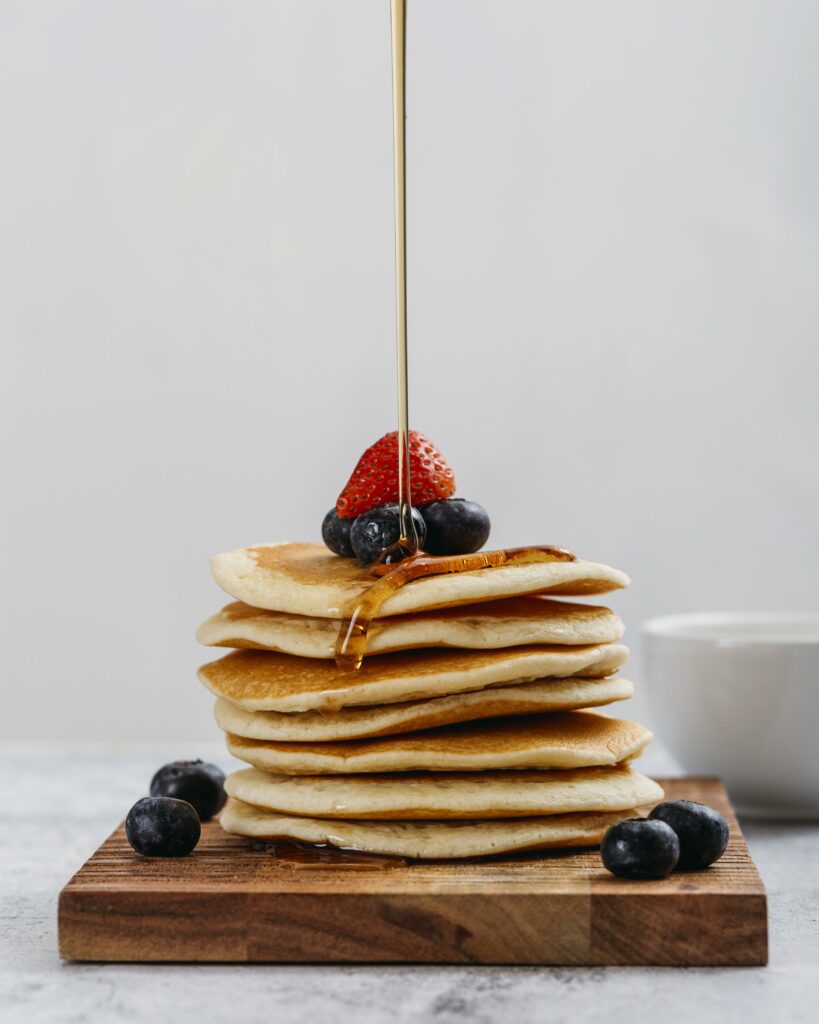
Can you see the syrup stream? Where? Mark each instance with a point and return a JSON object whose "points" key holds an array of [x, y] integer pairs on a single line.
{"points": [[408, 542]]}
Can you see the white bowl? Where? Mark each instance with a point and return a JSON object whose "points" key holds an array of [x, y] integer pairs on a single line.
{"points": [[736, 694]]}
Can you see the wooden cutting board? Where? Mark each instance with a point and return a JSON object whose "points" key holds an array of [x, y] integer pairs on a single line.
{"points": [[230, 902]]}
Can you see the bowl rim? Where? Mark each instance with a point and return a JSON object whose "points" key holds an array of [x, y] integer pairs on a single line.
{"points": [[703, 627]]}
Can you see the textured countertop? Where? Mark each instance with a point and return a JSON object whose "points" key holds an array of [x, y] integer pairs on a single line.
{"points": [[56, 806]]}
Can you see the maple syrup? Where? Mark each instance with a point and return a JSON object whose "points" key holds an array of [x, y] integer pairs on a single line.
{"points": [[351, 644]]}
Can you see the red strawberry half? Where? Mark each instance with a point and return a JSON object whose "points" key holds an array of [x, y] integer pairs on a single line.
{"points": [[375, 479]]}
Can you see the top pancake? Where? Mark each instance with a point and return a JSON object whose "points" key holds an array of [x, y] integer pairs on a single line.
{"points": [[512, 622], [308, 579]]}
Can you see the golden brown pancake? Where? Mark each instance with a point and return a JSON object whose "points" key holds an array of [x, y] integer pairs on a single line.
{"points": [[428, 840], [389, 719], [571, 739], [513, 622], [449, 795], [269, 681], [307, 579]]}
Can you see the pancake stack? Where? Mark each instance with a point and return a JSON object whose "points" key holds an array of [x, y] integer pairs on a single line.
{"points": [[466, 731]]}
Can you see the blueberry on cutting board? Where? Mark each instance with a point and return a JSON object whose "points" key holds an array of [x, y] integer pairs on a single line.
{"points": [[201, 784], [640, 848], [159, 826], [701, 830], [455, 526]]}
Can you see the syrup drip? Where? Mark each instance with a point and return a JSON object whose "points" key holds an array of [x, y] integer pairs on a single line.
{"points": [[351, 644]]}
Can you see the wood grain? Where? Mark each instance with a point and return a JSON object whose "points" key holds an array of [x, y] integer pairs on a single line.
{"points": [[228, 902]]}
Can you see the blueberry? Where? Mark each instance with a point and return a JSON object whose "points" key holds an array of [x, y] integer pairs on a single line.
{"points": [[373, 532], [640, 848], [335, 533], [201, 784], [702, 832], [455, 526], [158, 826]]}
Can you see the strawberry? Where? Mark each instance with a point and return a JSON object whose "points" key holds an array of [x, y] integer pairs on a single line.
{"points": [[375, 478]]}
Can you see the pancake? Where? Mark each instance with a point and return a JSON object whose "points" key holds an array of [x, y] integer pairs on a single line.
{"points": [[490, 794], [513, 622], [430, 840], [571, 739], [268, 681], [388, 719], [308, 579]]}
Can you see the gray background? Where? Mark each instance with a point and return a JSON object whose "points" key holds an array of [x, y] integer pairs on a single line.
{"points": [[613, 306]]}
